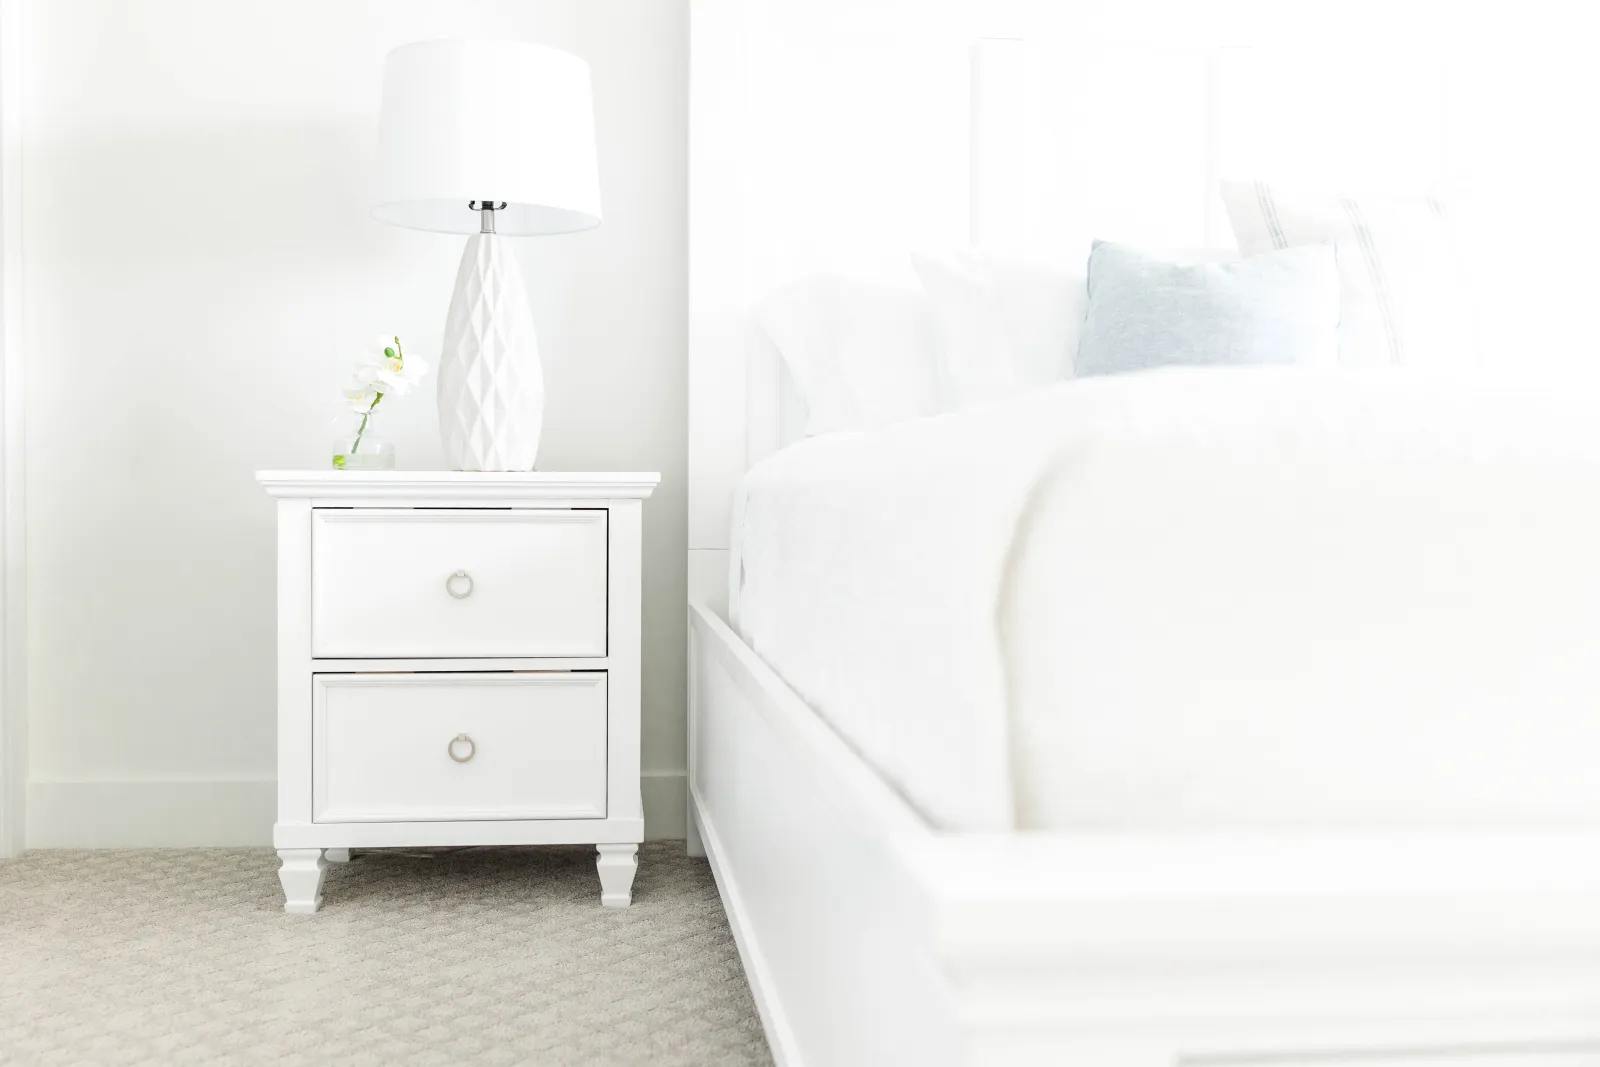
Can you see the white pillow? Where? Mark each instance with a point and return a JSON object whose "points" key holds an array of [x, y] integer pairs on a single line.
{"points": [[1402, 300], [861, 354], [1003, 325]]}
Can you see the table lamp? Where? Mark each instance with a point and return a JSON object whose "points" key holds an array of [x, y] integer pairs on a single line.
{"points": [[492, 139]]}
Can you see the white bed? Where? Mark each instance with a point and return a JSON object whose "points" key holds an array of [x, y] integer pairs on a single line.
{"points": [[1198, 598], [1267, 911]]}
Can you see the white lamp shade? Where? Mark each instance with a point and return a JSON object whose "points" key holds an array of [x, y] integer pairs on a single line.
{"points": [[487, 120]]}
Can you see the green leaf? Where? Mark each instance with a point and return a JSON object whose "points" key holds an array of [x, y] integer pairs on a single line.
{"points": [[338, 461]]}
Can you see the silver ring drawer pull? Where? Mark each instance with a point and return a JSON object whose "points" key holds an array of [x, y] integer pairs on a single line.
{"points": [[462, 739], [450, 585]]}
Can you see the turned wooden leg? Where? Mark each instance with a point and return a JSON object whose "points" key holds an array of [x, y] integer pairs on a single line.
{"points": [[301, 874], [617, 864], [336, 855]]}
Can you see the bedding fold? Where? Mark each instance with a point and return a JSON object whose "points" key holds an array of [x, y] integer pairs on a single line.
{"points": [[1190, 598]]}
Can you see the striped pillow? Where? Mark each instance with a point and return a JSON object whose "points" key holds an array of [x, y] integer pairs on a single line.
{"points": [[1402, 299]]}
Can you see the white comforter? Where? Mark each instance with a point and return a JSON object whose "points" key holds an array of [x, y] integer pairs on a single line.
{"points": [[1190, 598]]}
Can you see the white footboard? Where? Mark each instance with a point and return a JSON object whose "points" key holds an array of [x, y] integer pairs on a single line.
{"points": [[869, 939], [832, 926]]}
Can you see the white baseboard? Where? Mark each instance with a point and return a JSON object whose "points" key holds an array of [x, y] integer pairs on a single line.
{"points": [[666, 804], [159, 813], [225, 813]]}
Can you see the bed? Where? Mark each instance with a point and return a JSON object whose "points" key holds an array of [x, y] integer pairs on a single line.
{"points": [[908, 883], [1194, 598]]}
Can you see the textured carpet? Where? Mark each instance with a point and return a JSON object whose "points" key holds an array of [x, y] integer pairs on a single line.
{"points": [[472, 956]]}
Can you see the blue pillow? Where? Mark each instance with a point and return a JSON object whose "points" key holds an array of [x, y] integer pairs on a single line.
{"points": [[1278, 308]]}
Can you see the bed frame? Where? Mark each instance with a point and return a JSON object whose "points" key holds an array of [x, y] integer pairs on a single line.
{"points": [[870, 938]]}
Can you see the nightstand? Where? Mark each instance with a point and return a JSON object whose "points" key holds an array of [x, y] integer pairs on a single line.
{"points": [[458, 664]]}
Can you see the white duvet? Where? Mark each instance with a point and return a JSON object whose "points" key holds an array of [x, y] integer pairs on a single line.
{"points": [[1199, 598]]}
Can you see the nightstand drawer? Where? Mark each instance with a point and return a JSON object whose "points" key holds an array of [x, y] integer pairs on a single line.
{"points": [[430, 747], [417, 582]]}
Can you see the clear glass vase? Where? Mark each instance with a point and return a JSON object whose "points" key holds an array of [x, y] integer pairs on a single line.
{"points": [[356, 445]]}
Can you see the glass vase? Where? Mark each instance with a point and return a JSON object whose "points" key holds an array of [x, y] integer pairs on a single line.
{"points": [[356, 445]]}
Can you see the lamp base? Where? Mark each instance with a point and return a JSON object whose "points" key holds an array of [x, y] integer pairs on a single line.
{"points": [[491, 387]]}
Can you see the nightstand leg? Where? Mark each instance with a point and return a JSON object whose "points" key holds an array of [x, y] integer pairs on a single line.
{"points": [[336, 855], [301, 874], [617, 864]]}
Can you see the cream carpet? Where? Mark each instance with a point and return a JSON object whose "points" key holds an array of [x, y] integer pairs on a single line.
{"points": [[473, 956]]}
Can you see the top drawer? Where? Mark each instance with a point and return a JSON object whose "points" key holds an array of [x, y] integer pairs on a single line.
{"points": [[384, 584]]}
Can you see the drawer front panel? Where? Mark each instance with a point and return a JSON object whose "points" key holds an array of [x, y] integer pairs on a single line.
{"points": [[457, 582], [432, 747]]}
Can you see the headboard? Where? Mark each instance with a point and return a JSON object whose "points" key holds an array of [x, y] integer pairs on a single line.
{"points": [[836, 136]]}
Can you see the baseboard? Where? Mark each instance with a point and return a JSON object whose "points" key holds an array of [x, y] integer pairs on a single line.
{"points": [[225, 813], [666, 804]]}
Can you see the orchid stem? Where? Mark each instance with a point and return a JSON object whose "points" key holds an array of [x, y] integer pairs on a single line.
{"points": [[363, 427]]}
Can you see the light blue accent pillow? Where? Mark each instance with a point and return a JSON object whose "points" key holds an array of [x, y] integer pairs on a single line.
{"points": [[1277, 308]]}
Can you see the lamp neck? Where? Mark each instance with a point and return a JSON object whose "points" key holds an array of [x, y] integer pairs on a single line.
{"points": [[486, 210]]}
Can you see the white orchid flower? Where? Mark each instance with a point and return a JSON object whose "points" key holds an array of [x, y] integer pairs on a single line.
{"points": [[391, 356], [400, 376], [384, 371], [389, 370]]}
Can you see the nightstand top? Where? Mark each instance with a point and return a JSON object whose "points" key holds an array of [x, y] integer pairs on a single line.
{"points": [[475, 485]]}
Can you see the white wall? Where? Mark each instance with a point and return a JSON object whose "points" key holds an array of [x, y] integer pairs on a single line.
{"points": [[199, 268]]}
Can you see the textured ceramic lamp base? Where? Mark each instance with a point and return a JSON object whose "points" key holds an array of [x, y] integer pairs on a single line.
{"points": [[491, 390]]}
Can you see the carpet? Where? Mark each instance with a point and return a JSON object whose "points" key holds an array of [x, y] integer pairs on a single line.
{"points": [[418, 957]]}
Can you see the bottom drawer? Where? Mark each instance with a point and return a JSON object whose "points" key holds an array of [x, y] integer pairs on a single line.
{"points": [[431, 747]]}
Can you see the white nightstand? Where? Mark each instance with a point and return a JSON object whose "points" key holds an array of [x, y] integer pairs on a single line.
{"points": [[458, 664]]}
